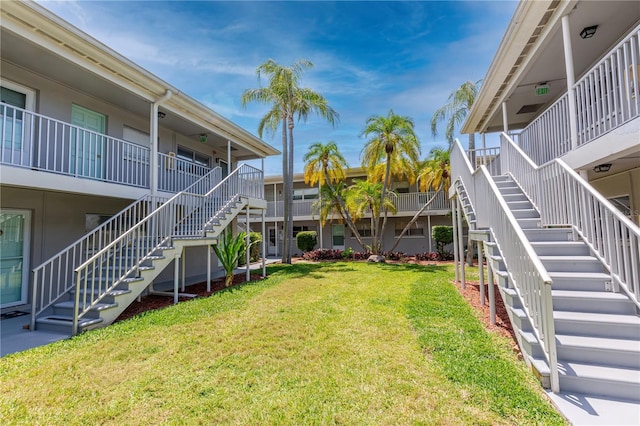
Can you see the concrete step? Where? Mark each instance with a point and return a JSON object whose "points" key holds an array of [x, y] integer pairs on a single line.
{"points": [[571, 264], [502, 178], [509, 189], [529, 223], [592, 302], [612, 382], [619, 326], [560, 248], [63, 324], [514, 197], [518, 205], [582, 281], [525, 213], [549, 234], [66, 309], [599, 350], [506, 183]]}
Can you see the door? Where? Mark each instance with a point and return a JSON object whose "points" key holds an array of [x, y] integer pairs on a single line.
{"points": [[15, 126], [14, 256], [225, 169], [87, 146], [272, 241], [337, 236]]}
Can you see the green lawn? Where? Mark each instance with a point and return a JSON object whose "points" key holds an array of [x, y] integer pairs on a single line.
{"points": [[334, 343]]}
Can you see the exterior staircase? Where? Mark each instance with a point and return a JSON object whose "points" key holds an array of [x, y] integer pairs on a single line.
{"points": [[115, 275], [597, 328]]}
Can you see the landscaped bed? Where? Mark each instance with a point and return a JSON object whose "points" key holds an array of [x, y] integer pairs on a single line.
{"points": [[350, 343]]}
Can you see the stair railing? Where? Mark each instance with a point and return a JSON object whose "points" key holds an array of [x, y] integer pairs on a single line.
{"points": [[568, 200], [182, 215], [526, 272], [54, 277]]}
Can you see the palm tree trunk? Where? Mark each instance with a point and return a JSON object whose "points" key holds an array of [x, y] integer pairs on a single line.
{"points": [[382, 206], [290, 193], [344, 212], [414, 218], [286, 246]]}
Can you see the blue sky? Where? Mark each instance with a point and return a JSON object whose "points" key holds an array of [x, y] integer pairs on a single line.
{"points": [[369, 57]]}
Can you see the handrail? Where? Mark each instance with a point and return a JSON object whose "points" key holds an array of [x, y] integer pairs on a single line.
{"points": [[569, 200], [176, 174], [57, 270], [43, 143], [186, 214], [527, 274]]}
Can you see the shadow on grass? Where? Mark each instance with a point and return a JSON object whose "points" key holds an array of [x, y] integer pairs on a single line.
{"points": [[312, 270]]}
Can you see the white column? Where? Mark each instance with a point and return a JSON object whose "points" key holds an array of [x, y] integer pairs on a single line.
{"points": [[229, 157], [429, 231], [571, 80], [460, 243], [184, 268], [492, 294], [454, 219], [153, 144], [176, 277], [247, 239], [484, 149], [264, 247], [209, 268], [481, 272], [505, 120]]}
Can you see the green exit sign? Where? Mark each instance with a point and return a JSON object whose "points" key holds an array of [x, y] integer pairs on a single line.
{"points": [[542, 89]]}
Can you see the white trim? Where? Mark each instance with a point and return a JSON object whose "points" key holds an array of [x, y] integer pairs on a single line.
{"points": [[30, 101], [26, 250]]}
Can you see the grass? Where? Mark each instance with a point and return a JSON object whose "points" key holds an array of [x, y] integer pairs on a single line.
{"points": [[334, 343]]}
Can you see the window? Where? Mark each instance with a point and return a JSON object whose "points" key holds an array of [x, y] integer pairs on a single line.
{"points": [[305, 194], [193, 157], [297, 229], [364, 229], [416, 230]]}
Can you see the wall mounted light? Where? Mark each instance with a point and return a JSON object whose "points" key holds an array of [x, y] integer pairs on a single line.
{"points": [[161, 114], [588, 32], [602, 168]]}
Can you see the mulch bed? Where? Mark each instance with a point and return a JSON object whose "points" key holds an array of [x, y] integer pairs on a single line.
{"points": [[151, 302], [471, 294]]}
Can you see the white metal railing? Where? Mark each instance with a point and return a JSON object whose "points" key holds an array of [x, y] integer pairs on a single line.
{"points": [[405, 203], [39, 142], [607, 96], [548, 136], [176, 174], [488, 157], [565, 199], [526, 273], [54, 277], [185, 215]]}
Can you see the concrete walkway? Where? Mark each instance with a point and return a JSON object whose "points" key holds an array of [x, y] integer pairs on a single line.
{"points": [[15, 338]]}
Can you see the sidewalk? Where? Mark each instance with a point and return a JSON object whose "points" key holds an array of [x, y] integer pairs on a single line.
{"points": [[15, 338]]}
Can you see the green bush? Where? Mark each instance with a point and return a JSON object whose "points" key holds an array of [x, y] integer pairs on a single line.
{"points": [[306, 240], [255, 238], [442, 235]]}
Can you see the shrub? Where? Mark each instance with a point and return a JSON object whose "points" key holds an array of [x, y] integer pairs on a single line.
{"points": [[442, 235], [306, 240], [229, 251], [255, 238], [428, 255], [347, 253], [323, 254], [361, 255], [394, 255]]}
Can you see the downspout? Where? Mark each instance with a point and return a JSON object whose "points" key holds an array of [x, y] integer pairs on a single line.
{"points": [[153, 143]]}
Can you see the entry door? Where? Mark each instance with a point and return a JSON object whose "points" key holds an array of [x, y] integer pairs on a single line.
{"points": [[225, 169], [14, 127], [87, 147], [14, 256], [337, 236], [272, 241]]}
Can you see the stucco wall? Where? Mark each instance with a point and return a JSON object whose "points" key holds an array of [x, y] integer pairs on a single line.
{"points": [[620, 184]]}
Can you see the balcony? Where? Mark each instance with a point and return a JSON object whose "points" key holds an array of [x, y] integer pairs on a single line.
{"points": [[407, 204], [37, 142], [607, 97]]}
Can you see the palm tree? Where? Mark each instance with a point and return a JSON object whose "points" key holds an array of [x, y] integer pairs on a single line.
{"points": [[326, 165], [434, 173], [394, 143], [364, 197], [288, 100], [455, 111]]}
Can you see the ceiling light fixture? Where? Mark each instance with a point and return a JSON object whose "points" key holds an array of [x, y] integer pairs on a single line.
{"points": [[161, 114], [588, 32], [602, 168], [203, 138]]}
